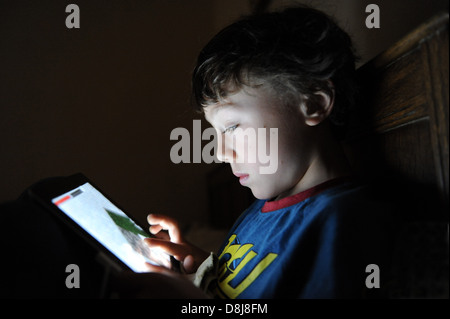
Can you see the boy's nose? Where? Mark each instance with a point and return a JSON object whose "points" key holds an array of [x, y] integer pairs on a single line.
{"points": [[225, 153]]}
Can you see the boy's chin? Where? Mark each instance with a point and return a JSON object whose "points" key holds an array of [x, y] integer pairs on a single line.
{"points": [[262, 194]]}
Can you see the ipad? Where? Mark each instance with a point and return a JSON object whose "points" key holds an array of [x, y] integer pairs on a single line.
{"points": [[78, 202]]}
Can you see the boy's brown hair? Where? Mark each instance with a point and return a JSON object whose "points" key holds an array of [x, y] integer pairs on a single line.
{"points": [[297, 52]]}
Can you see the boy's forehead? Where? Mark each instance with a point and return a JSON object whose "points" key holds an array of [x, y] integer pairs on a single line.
{"points": [[238, 101], [211, 110]]}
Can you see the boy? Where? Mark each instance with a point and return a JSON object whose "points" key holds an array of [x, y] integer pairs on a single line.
{"points": [[313, 231]]}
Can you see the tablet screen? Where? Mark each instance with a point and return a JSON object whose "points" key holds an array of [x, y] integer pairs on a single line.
{"points": [[108, 225]]}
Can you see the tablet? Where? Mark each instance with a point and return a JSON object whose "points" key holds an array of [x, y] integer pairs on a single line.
{"points": [[86, 209]]}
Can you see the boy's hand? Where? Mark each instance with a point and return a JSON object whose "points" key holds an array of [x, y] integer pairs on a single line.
{"points": [[172, 242]]}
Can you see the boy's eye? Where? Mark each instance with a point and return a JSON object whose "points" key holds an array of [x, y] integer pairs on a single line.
{"points": [[230, 128]]}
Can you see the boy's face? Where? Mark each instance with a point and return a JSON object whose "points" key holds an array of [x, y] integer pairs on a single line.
{"points": [[246, 111]]}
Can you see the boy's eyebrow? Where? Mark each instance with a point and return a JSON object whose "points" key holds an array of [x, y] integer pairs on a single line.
{"points": [[219, 107]]}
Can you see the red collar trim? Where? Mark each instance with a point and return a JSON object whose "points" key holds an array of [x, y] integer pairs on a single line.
{"points": [[270, 206]]}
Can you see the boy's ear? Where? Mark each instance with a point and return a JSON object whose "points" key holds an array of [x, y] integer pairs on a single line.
{"points": [[316, 109]]}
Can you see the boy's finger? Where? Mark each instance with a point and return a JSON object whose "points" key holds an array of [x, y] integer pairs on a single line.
{"points": [[166, 223], [156, 230], [189, 264], [157, 218], [179, 252]]}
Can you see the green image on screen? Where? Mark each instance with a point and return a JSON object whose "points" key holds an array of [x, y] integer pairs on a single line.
{"points": [[126, 223]]}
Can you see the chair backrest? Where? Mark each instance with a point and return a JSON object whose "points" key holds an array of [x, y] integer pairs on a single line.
{"points": [[398, 135], [401, 125]]}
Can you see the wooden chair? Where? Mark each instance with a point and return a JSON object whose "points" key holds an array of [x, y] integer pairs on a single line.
{"points": [[402, 119], [398, 138]]}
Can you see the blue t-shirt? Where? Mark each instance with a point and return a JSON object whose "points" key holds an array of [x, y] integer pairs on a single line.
{"points": [[320, 243]]}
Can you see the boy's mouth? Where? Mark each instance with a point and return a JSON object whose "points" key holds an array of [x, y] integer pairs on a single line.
{"points": [[242, 177]]}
